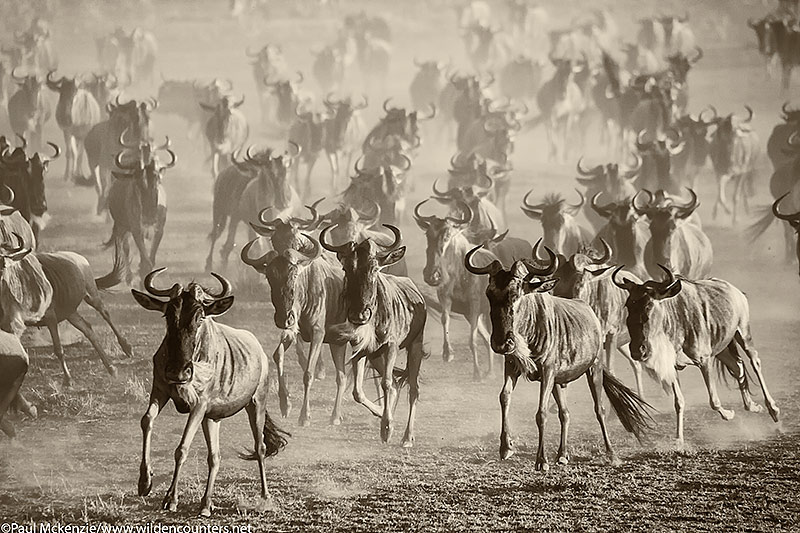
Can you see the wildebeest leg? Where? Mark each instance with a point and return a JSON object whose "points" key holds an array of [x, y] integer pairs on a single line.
{"points": [[52, 327], [13, 373], [447, 350], [509, 383], [196, 416], [413, 363], [211, 434], [233, 224], [80, 149], [126, 252], [680, 405], [744, 340], [333, 161], [358, 387], [595, 377], [157, 401], [315, 347], [84, 327], [98, 186], [483, 332], [144, 258], [94, 300], [721, 198], [157, 236], [69, 148], [309, 168], [789, 236], [636, 366], [22, 405], [337, 354], [545, 390], [711, 386], [388, 358], [283, 390], [214, 166], [473, 320], [735, 365], [256, 412], [560, 395]]}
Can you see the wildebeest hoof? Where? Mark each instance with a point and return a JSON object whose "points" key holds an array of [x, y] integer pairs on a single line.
{"points": [[112, 370], [542, 466], [775, 413], [506, 452], [145, 483], [613, 460], [126, 349], [563, 460], [286, 406], [755, 408], [304, 421], [476, 375], [320, 374], [386, 431], [336, 420], [726, 414], [170, 504], [205, 511], [33, 412]]}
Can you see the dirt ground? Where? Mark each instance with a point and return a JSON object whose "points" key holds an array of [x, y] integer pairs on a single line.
{"points": [[79, 460]]}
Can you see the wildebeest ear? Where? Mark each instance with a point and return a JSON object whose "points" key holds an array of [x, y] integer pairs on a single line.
{"points": [[147, 301], [670, 291], [537, 285], [392, 257], [218, 307]]}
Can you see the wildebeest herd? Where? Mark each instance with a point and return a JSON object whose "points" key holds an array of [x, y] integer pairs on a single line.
{"points": [[624, 264]]}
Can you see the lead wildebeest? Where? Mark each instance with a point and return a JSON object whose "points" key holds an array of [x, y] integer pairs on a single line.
{"points": [[76, 113], [679, 322], [444, 270], [384, 314], [306, 291], [137, 202], [555, 341], [210, 371]]}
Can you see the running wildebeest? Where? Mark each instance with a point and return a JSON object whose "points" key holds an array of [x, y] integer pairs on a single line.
{"points": [[210, 371]]}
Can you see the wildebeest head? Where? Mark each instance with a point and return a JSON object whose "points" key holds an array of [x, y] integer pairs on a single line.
{"points": [[680, 64], [147, 175], [610, 178], [665, 216], [792, 219], [285, 232], [506, 288], [281, 270], [132, 118], [645, 317], [102, 87], [765, 34], [694, 130], [184, 309], [285, 92], [350, 224], [361, 263], [555, 215], [576, 271], [65, 87], [342, 112], [25, 176], [267, 62], [439, 233], [656, 156], [30, 86], [37, 168]]}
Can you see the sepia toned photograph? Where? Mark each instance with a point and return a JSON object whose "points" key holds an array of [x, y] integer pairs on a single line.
{"points": [[317, 266]]}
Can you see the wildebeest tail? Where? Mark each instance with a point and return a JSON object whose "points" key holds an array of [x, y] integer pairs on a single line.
{"points": [[631, 409], [219, 215], [401, 374], [765, 219], [114, 277], [274, 440], [723, 370]]}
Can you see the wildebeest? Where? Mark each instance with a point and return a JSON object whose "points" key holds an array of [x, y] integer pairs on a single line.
{"points": [[792, 221], [625, 231], [686, 165], [131, 56], [776, 144], [679, 322], [210, 371], [328, 68], [427, 84], [245, 188], [137, 202], [611, 179], [226, 130], [13, 368], [735, 150], [182, 98], [444, 270], [344, 129], [767, 43], [128, 123], [269, 66], [306, 290], [561, 231], [308, 133], [676, 241], [487, 48], [561, 103], [29, 109], [287, 98], [679, 65], [384, 314], [25, 177], [657, 154], [73, 282], [520, 78], [104, 88], [586, 275], [384, 185], [76, 113], [552, 340]]}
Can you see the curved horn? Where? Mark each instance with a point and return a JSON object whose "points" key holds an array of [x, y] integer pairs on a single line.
{"points": [[576, 207], [15, 76], [641, 210], [688, 209], [385, 104], [749, 114], [121, 139], [698, 57], [530, 207], [363, 104], [330, 247], [308, 223], [249, 261], [775, 208], [56, 152], [670, 276], [549, 269], [23, 140], [407, 160], [173, 159], [491, 268], [606, 253], [633, 171], [397, 237], [148, 284], [464, 208], [225, 287], [625, 284], [9, 200], [603, 211], [118, 161], [423, 221], [584, 172], [437, 192]]}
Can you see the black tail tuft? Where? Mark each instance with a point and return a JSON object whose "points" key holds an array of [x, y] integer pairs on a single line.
{"points": [[761, 225], [723, 371], [114, 277], [631, 409], [274, 440]]}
